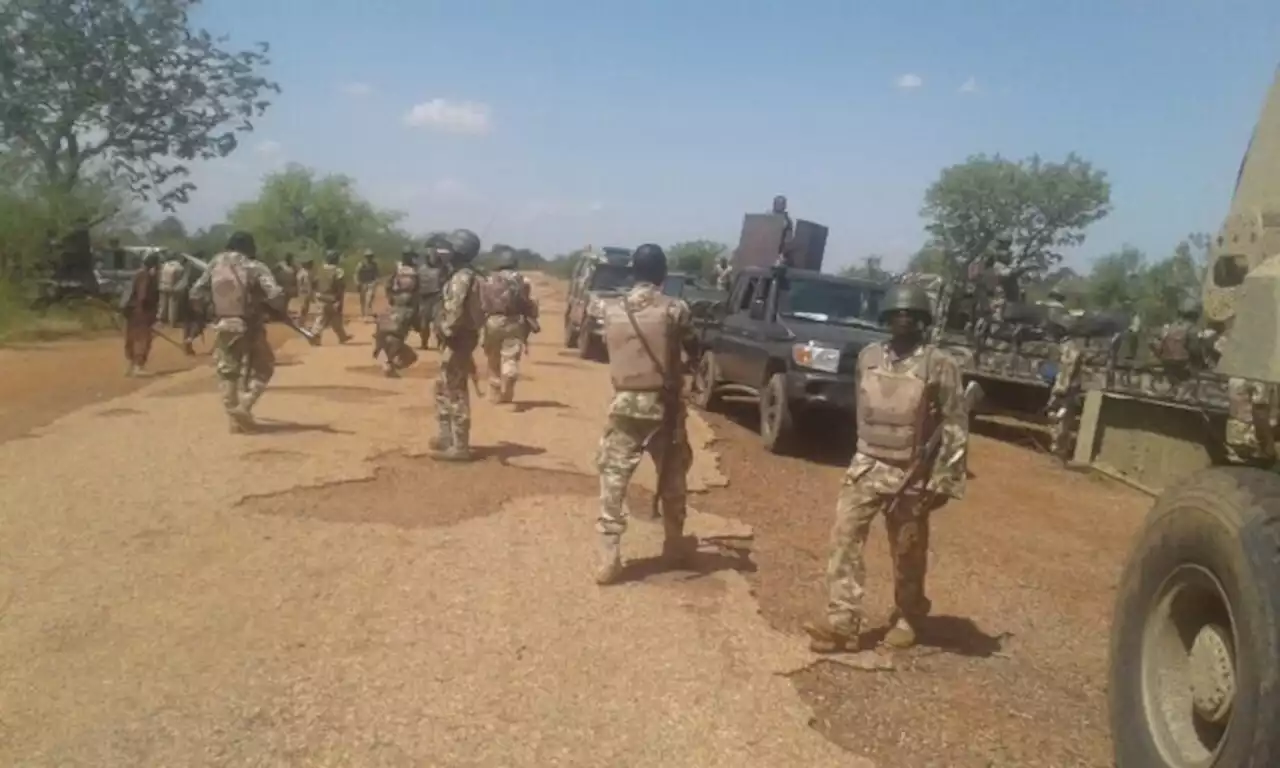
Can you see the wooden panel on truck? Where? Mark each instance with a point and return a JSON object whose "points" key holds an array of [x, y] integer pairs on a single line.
{"points": [[760, 241], [808, 245]]}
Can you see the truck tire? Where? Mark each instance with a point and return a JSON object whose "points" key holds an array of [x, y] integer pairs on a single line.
{"points": [[777, 427], [570, 335], [589, 347], [1194, 675], [705, 380]]}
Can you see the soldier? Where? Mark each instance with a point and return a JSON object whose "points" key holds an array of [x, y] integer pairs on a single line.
{"points": [[780, 209], [1064, 403], [723, 274], [330, 291], [1177, 347], [194, 317], [459, 323], [241, 291], [367, 283], [140, 305], [286, 275], [644, 334], [507, 300], [909, 392], [431, 279], [1250, 430], [393, 326], [170, 272], [304, 290]]}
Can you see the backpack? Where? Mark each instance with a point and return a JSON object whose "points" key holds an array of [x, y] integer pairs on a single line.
{"points": [[500, 294]]}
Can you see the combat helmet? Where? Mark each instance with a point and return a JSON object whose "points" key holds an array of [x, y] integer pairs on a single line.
{"points": [[463, 244], [331, 257], [1189, 308], [909, 297]]}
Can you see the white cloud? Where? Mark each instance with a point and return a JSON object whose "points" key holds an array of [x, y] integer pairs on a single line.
{"points": [[269, 148], [466, 117], [357, 90], [909, 81], [969, 86]]}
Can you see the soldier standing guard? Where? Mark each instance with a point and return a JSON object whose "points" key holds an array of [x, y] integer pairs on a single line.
{"points": [[1064, 401], [240, 287], [393, 326], [644, 334], [507, 301], [330, 291], [459, 324], [1177, 347], [908, 391]]}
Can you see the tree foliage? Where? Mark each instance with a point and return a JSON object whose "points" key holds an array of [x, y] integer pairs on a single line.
{"points": [[871, 268], [696, 257], [126, 87], [1045, 206]]}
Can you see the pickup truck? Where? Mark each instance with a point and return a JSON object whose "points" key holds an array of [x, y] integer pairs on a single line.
{"points": [[789, 338]]}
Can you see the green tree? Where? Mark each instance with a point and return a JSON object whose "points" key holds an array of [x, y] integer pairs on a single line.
{"points": [[169, 232], [127, 86], [696, 257], [930, 260], [1045, 207], [870, 269]]}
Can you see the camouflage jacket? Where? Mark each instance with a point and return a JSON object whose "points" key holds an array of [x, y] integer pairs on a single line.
{"points": [[261, 286], [402, 300], [947, 410], [1069, 368], [460, 312], [523, 290], [653, 405]]}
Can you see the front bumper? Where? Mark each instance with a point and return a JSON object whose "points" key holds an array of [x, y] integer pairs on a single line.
{"points": [[815, 390]]}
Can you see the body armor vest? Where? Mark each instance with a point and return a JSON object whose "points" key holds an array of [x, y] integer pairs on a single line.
{"points": [[430, 281], [229, 282], [326, 280], [892, 408], [1173, 345], [631, 366], [500, 294]]}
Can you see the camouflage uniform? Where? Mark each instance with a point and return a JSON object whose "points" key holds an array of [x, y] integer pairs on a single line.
{"points": [[871, 487], [724, 275], [241, 351], [639, 423], [459, 322], [430, 279], [330, 291], [140, 305], [393, 325], [367, 283], [1063, 397], [1178, 359], [504, 339], [1248, 403], [304, 294]]}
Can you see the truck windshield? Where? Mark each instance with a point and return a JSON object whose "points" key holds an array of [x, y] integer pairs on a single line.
{"points": [[826, 301], [611, 277]]}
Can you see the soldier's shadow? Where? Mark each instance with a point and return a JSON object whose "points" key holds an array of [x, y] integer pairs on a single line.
{"points": [[505, 451], [529, 405], [698, 565], [950, 634], [287, 427]]}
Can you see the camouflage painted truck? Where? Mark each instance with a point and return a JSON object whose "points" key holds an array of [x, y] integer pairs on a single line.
{"points": [[1195, 639]]}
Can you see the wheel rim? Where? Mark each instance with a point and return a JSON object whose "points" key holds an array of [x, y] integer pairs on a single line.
{"points": [[1188, 667]]}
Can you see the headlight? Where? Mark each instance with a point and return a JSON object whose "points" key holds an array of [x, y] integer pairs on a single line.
{"points": [[815, 356]]}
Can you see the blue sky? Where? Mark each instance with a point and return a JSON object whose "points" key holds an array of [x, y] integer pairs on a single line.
{"points": [[554, 124]]}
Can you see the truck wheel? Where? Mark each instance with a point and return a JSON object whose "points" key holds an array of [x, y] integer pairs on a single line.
{"points": [[776, 423], [588, 347], [705, 381], [1194, 664], [570, 335]]}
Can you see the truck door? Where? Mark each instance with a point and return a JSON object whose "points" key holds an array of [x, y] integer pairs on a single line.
{"points": [[730, 346], [759, 324]]}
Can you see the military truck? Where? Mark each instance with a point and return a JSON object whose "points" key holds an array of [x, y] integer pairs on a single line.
{"points": [[599, 277], [1195, 639]]}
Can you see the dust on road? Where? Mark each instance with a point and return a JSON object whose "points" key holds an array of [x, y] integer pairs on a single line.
{"points": [[322, 594]]}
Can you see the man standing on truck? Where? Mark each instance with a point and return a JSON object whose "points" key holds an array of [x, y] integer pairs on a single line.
{"points": [[644, 333], [1177, 347], [724, 274], [913, 440], [784, 245]]}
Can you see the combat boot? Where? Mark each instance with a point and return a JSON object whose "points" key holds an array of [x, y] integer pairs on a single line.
{"points": [[389, 370], [444, 436], [824, 638], [610, 565], [901, 635], [508, 389]]}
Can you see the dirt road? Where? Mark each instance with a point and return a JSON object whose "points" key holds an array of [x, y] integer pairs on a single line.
{"points": [[320, 594]]}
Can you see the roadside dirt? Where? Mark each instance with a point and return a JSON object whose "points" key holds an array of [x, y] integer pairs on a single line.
{"points": [[337, 521]]}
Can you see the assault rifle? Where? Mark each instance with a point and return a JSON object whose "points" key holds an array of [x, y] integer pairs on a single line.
{"points": [[973, 394]]}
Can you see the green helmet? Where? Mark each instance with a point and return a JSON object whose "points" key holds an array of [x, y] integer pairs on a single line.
{"points": [[1189, 308], [911, 298], [437, 241], [506, 259], [331, 257], [368, 253], [463, 244]]}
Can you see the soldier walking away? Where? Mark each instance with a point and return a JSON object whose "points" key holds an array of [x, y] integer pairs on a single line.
{"points": [[239, 289], [1177, 347], [723, 274], [367, 283], [393, 325], [194, 315], [913, 436], [330, 292], [170, 273], [305, 291], [644, 334], [788, 229], [507, 300], [1064, 397], [1250, 429], [459, 324], [286, 274], [431, 279], [140, 305]]}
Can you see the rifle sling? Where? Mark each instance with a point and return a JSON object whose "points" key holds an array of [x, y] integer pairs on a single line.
{"points": [[668, 412]]}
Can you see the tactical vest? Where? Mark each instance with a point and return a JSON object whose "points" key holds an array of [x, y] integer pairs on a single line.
{"points": [[892, 408], [1173, 344], [500, 294], [366, 272], [326, 280], [230, 284], [169, 273], [405, 281], [430, 281], [631, 366]]}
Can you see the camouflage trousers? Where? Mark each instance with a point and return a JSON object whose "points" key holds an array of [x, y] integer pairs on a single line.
{"points": [[244, 362], [390, 334], [1062, 427], [1243, 446], [626, 439], [329, 316], [866, 493], [503, 348], [453, 398], [425, 317], [367, 292]]}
